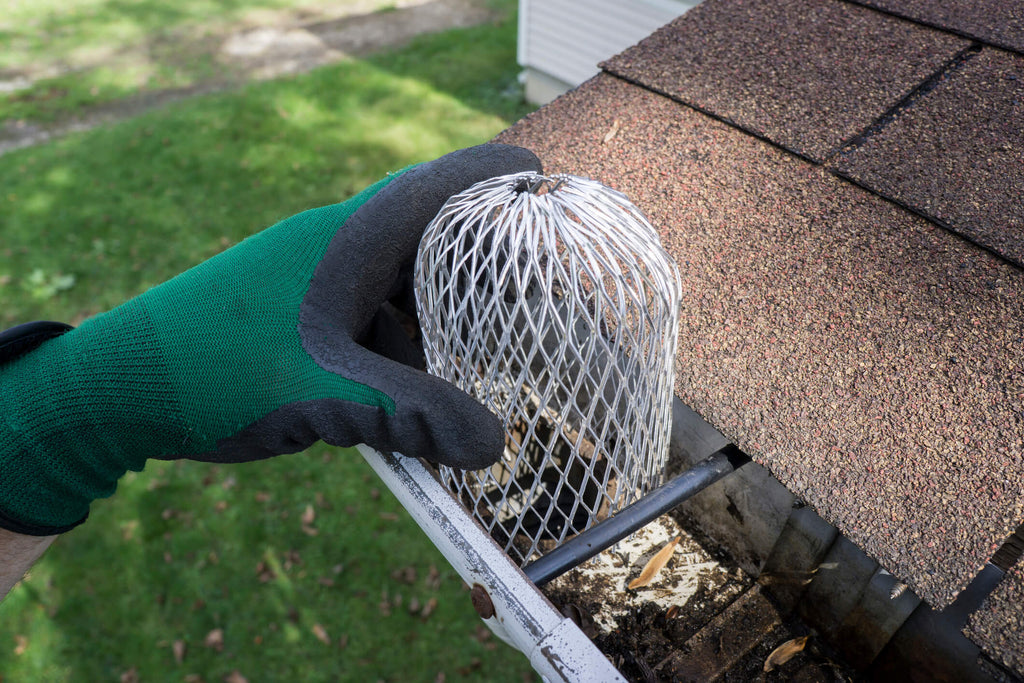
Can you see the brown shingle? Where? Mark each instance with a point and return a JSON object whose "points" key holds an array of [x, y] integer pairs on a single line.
{"points": [[957, 154], [869, 358], [998, 627], [805, 74], [998, 22]]}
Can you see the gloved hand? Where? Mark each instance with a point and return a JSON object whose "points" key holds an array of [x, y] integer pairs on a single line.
{"points": [[262, 350]]}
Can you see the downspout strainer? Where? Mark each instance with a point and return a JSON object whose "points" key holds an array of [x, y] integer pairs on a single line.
{"points": [[551, 300]]}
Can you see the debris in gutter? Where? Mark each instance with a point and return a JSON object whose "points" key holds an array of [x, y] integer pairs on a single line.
{"points": [[785, 652], [654, 566]]}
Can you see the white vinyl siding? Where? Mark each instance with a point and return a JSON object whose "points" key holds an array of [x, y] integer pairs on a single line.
{"points": [[566, 40]]}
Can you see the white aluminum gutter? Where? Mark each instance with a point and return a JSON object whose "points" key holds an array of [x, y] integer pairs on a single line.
{"points": [[515, 610]]}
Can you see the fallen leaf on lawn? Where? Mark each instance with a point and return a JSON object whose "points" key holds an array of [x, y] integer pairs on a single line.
{"points": [[474, 664], [262, 496], [235, 677], [785, 652], [433, 580], [20, 645], [264, 572], [309, 515], [178, 647], [128, 529], [194, 678], [321, 634], [429, 608], [310, 530], [611, 133], [654, 566], [130, 676], [343, 641], [215, 639], [389, 516]]}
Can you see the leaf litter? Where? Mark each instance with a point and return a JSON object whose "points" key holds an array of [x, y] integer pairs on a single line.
{"points": [[655, 565], [785, 652]]}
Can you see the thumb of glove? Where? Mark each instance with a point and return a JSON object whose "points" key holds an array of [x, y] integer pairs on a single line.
{"points": [[431, 418]]}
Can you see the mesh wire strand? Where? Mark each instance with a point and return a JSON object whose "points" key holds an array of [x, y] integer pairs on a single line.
{"points": [[551, 301]]}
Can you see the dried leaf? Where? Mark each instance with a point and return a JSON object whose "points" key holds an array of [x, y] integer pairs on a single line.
{"points": [[264, 572], [178, 647], [235, 677], [128, 529], [654, 566], [782, 578], [20, 645], [321, 634], [215, 639], [611, 133], [310, 530], [130, 676], [309, 516], [785, 652]]}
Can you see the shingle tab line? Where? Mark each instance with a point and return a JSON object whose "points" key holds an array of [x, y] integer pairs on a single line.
{"points": [[888, 116]]}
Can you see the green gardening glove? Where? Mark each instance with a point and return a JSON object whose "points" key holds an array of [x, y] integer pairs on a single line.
{"points": [[262, 350]]}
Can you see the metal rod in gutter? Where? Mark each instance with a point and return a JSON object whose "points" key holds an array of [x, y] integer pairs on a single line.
{"points": [[612, 530]]}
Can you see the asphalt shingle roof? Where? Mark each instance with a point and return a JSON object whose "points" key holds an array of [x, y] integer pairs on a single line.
{"points": [[808, 75], [996, 627], [955, 155], [997, 22], [836, 323]]}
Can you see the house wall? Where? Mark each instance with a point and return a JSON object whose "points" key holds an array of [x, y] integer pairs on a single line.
{"points": [[561, 42]]}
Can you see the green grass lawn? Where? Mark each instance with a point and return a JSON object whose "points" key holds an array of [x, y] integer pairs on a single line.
{"points": [[81, 52], [298, 568]]}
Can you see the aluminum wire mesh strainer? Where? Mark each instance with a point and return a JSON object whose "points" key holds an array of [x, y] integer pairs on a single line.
{"points": [[551, 300]]}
